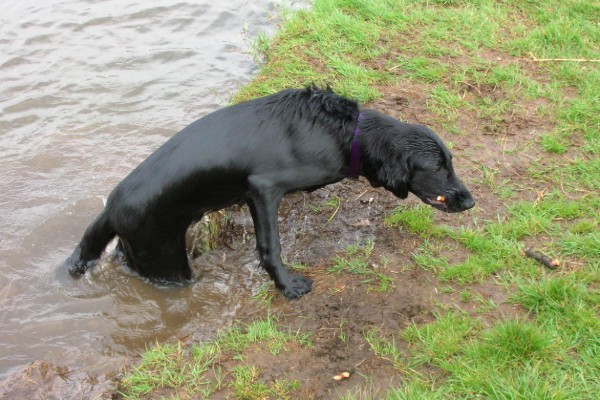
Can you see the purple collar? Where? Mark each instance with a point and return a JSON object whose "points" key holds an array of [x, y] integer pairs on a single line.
{"points": [[354, 169]]}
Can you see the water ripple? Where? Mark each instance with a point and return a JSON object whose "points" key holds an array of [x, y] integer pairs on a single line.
{"points": [[88, 90]]}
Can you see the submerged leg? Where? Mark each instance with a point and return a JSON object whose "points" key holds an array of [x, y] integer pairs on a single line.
{"points": [[159, 255], [91, 246]]}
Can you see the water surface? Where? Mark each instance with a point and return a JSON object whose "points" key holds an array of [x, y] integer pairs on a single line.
{"points": [[87, 90]]}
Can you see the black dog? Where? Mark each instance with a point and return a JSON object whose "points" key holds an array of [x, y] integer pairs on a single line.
{"points": [[256, 152]]}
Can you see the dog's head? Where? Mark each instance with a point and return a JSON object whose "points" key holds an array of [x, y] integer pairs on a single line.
{"points": [[407, 158]]}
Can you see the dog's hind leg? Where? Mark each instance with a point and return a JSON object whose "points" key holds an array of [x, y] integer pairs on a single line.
{"points": [[158, 253], [91, 246]]}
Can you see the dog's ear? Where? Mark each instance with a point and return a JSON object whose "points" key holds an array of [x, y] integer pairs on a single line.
{"points": [[395, 176]]}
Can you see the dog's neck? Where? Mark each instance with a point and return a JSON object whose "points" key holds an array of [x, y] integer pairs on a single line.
{"points": [[354, 169]]}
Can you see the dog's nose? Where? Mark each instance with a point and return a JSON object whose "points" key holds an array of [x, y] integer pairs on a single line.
{"points": [[467, 202]]}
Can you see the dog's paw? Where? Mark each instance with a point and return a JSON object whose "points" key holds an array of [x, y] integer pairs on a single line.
{"points": [[298, 286], [76, 271], [75, 267]]}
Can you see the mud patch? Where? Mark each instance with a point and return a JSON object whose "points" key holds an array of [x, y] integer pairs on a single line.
{"points": [[42, 380]]}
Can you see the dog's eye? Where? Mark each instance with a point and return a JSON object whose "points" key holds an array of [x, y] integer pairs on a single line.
{"points": [[438, 169]]}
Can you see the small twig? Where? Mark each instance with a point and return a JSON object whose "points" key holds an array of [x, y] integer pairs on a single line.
{"points": [[334, 213], [534, 58], [545, 260], [361, 195], [540, 196], [483, 77], [562, 188], [474, 87]]}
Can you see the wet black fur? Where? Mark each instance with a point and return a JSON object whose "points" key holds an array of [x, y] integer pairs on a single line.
{"points": [[255, 152]]}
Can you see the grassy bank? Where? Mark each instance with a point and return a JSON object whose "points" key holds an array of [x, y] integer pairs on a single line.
{"points": [[513, 87]]}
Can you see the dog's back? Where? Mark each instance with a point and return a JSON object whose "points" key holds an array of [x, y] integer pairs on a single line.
{"points": [[208, 157], [205, 166]]}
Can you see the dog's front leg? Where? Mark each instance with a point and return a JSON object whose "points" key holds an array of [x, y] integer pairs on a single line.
{"points": [[264, 205]]}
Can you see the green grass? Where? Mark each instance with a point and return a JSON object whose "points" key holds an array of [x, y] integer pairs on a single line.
{"points": [[512, 359], [246, 385], [264, 332], [442, 339], [416, 220], [496, 245], [358, 261], [166, 366], [554, 143], [566, 305], [505, 189], [446, 104], [561, 343], [485, 304], [422, 69], [427, 258], [327, 44], [384, 348], [196, 371]]}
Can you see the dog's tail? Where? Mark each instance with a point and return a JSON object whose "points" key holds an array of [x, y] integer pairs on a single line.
{"points": [[94, 241]]}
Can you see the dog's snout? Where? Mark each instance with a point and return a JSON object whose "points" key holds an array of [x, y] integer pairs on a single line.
{"points": [[467, 201]]}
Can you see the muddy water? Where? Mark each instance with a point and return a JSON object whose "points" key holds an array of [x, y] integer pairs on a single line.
{"points": [[87, 90]]}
